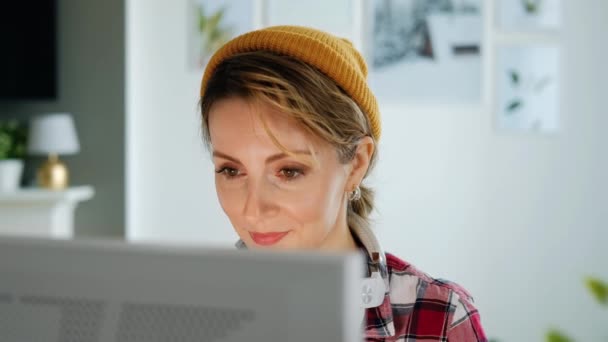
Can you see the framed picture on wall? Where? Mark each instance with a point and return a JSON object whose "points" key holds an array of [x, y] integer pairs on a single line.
{"points": [[425, 52], [213, 23], [527, 96], [522, 15]]}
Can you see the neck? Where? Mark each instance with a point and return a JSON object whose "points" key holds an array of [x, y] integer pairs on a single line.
{"points": [[340, 239]]}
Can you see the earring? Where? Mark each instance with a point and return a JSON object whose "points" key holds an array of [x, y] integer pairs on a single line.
{"points": [[355, 195]]}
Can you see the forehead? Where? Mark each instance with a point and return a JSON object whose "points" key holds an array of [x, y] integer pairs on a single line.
{"points": [[236, 121]]}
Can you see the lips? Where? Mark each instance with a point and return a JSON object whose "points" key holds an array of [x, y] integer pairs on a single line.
{"points": [[267, 239]]}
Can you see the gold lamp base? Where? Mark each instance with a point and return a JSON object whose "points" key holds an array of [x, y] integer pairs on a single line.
{"points": [[53, 174]]}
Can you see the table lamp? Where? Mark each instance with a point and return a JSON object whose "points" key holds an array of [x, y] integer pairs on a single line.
{"points": [[52, 135]]}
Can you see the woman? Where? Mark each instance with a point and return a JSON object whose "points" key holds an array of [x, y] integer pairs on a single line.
{"points": [[293, 128]]}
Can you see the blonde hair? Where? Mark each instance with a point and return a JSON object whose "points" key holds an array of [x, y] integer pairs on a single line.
{"points": [[304, 94]]}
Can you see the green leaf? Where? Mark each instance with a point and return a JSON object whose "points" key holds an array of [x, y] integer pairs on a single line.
{"points": [[598, 289], [202, 19], [216, 18], [213, 33], [5, 145], [514, 105], [531, 6], [556, 336], [514, 76], [13, 140]]}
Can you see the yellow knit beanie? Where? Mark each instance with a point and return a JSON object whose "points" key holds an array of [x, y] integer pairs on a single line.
{"points": [[335, 57]]}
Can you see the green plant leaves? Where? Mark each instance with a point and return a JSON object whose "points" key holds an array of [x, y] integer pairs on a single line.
{"points": [[514, 105], [598, 289], [13, 139], [531, 6], [212, 31], [5, 145], [514, 77], [555, 336]]}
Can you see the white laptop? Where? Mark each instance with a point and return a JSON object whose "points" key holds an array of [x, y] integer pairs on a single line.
{"points": [[92, 291]]}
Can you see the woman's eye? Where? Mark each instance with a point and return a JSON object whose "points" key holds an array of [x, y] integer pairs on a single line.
{"points": [[228, 172], [290, 173]]}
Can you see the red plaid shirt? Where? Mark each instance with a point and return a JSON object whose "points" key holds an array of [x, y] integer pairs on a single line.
{"points": [[421, 308], [417, 306]]}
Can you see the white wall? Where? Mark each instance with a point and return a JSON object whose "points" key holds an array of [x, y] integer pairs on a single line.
{"points": [[517, 219], [170, 193], [545, 199]]}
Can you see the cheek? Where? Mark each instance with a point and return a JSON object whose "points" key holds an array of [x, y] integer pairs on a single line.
{"points": [[230, 201], [316, 207]]}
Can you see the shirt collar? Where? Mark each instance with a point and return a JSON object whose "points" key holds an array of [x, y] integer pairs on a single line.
{"points": [[378, 321]]}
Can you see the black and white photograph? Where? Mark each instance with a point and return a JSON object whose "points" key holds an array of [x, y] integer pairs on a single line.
{"points": [[426, 51]]}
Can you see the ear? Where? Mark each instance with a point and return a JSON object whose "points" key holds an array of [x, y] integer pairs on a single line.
{"points": [[360, 163]]}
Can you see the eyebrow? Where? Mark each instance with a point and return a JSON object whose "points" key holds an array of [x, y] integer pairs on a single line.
{"points": [[270, 159]]}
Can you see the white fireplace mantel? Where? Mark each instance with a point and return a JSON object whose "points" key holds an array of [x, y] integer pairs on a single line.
{"points": [[39, 212]]}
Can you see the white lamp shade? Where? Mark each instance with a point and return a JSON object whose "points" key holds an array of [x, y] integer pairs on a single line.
{"points": [[53, 133]]}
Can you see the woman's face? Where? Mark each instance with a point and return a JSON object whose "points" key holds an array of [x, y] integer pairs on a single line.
{"points": [[274, 200]]}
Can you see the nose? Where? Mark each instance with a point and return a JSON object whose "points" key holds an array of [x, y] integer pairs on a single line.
{"points": [[260, 202]]}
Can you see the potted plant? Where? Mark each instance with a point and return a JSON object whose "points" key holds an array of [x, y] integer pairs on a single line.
{"points": [[599, 290], [13, 139]]}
